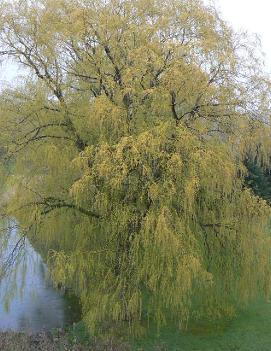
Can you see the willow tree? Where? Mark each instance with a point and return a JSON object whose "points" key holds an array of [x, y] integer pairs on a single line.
{"points": [[127, 141]]}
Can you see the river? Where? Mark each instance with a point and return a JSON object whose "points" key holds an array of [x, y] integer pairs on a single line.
{"points": [[28, 300]]}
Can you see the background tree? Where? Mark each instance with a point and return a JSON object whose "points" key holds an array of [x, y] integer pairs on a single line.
{"points": [[128, 140]]}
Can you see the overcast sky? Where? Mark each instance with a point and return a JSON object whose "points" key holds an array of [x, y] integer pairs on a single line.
{"points": [[248, 15], [251, 16]]}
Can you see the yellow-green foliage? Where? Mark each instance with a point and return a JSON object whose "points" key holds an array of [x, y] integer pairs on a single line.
{"points": [[127, 142]]}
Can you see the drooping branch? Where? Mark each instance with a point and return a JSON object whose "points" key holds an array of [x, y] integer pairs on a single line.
{"points": [[49, 204]]}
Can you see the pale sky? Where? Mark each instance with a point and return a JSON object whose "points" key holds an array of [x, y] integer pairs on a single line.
{"points": [[8, 74], [252, 16], [246, 15]]}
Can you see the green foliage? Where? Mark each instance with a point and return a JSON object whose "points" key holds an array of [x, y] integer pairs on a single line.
{"points": [[128, 140], [259, 179]]}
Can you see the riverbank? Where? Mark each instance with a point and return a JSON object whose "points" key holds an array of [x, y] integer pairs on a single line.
{"points": [[11, 341], [250, 330], [56, 341]]}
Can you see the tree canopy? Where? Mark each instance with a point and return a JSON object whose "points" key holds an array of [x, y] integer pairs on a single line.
{"points": [[127, 144]]}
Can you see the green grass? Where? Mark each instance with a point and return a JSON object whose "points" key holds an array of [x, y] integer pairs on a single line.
{"points": [[78, 333], [249, 331]]}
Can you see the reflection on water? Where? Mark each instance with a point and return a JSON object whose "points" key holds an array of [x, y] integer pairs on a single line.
{"points": [[28, 301]]}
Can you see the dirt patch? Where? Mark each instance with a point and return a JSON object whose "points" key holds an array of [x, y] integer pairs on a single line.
{"points": [[58, 341], [40, 342]]}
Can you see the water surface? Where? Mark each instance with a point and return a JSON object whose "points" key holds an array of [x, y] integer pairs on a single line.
{"points": [[28, 300]]}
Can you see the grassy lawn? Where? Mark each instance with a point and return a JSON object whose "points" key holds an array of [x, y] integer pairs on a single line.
{"points": [[249, 331]]}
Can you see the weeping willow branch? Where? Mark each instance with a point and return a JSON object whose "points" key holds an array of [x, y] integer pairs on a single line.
{"points": [[50, 204]]}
